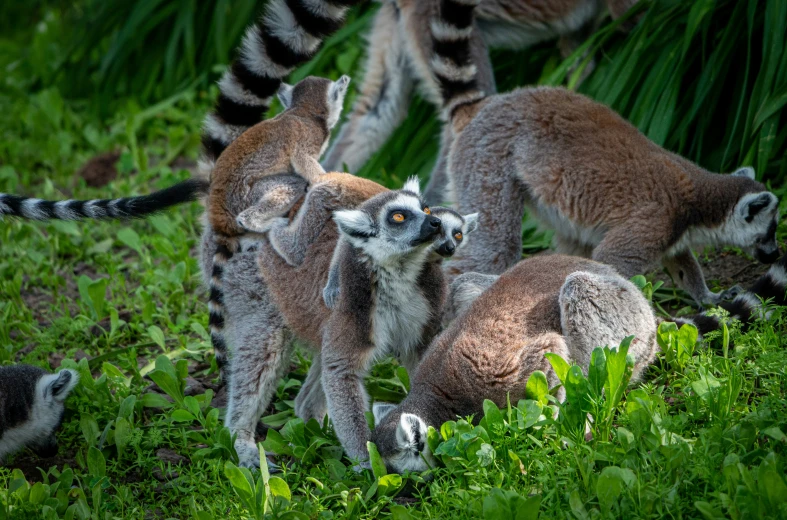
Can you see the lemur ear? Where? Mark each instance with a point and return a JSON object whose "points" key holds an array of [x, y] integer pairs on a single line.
{"points": [[58, 386], [355, 223], [471, 223], [339, 88], [285, 94], [381, 411], [411, 431], [413, 184], [745, 171], [753, 203]]}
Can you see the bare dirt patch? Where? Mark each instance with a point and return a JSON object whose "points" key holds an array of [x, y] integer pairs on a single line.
{"points": [[100, 170]]}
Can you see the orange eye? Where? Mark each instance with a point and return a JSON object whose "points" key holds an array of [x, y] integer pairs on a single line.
{"points": [[427, 211], [458, 236], [398, 217]]}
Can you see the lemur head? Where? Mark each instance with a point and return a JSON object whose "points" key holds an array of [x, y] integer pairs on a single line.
{"points": [[455, 228], [392, 224], [34, 425], [322, 96], [752, 223], [401, 439]]}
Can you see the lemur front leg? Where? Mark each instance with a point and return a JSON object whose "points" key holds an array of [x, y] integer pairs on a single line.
{"points": [[383, 97], [330, 293], [275, 196], [307, 167], [687, 272], [290, 240], [345, 356]]}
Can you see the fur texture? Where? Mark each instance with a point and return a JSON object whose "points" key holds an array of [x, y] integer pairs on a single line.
{"points": [[390, 302], [122, 208], [400, 51], [550, 303], [31, 408]]}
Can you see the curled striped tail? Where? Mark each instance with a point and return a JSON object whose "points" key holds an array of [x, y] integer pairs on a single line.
{"points": [[747, 306], [289, 34], [223, 253], [452, 63], [122, 208]]}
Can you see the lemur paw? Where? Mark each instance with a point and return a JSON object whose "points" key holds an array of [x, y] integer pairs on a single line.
{"points": [[715, 298], [249, 457], [330, 295], [731, 293]]}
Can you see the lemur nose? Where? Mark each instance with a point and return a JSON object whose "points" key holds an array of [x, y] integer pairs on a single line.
{"points": [[434, 221], [450, 249]]}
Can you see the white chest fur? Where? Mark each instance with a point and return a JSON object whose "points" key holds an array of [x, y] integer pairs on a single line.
{"points": [[400, 310]]}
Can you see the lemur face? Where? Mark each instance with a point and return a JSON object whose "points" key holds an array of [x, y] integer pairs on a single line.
{"points": [[390, 225], [455, 230], [753, 223], [401, 440]]}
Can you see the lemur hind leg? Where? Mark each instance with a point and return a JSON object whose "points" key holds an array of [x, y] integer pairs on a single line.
{"points": [[290, 240], [686, 271], [310, 402], [599, 309], [260, 346], [383, 98], [634, 248], [276, 196]]}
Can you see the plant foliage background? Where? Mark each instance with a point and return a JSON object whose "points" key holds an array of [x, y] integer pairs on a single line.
{"points": [[142, 438]]}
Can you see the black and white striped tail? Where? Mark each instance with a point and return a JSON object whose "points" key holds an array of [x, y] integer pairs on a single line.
{"points": [[126, 207], [221, 256], [288, 34], [747, 306], [452, 63]]}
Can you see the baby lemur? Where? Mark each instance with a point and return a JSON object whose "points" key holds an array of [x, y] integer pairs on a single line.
{"points": [[31, 408], [246, 187], [607, 191], [400, 49], [390, 301], [550, 303]]}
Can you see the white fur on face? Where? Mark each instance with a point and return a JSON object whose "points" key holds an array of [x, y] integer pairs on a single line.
{"points": [[412, 447], [44, 415]]}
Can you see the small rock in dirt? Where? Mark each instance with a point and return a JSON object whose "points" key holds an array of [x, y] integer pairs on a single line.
{"points": [[170, 456], [220, 399], [55, 358], [193, 387], [80, 355], [100, 170]]}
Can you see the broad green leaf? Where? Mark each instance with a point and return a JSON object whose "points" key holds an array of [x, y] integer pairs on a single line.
{"points": [[96, 463], [89, 428], [389, 484], [378, 465], [559, 365], [537, 387], [597, 372]]}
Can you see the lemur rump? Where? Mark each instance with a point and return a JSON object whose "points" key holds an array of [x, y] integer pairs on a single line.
{"points": [[606, 189], [400, 49], [550, 303]]}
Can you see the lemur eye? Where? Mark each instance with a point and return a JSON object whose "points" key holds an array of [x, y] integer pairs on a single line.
{"points": [[398, 217], [427, 211], [458, 236]]}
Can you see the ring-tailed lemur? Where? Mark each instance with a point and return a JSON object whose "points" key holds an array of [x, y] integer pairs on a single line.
{"points": [[454, 229], [550, 303], [245, 188], [122, 208], [260, 342], [400, 49], [390, 302], [606, 190], [31, 408], [747, 306]]}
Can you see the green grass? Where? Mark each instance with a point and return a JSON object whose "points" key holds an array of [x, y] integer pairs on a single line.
{"points": [[702, 437]]}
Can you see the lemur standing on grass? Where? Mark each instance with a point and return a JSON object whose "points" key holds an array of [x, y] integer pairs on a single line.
{"points": [[607, 191], [401, 48], [31, 408], [390, 301], [550, 303], [245, 157]]}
